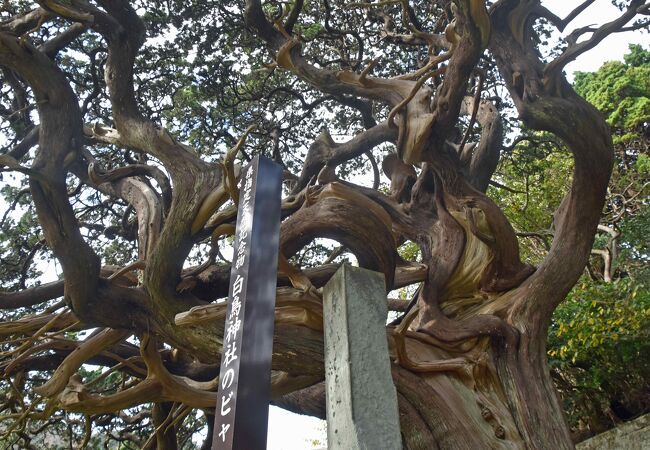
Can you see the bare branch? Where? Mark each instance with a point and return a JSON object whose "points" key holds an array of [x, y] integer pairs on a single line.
{"points": [[59, 42], [27, 22], [576, 49], [31, 296], [561, 24], [324, 151], [607, 260], [24, 146], [504, 187]]}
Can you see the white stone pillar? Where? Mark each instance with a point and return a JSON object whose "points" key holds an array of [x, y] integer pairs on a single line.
{"points": [[362, 410]]}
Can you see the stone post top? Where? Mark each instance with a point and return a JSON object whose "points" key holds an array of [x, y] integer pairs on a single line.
{"points": [[346, 269]]}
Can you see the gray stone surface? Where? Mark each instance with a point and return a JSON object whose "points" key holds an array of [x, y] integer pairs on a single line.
{"points": [[362, 408], [633, 435]]}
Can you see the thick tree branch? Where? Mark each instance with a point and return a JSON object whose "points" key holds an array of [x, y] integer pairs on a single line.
{"points": [[60, 141], [139, 194], [324, 151], [31, 296], [27, 22], [341, 213], [483, 160], [135, 170], [52, 47], [24, 146], [555, 107]]}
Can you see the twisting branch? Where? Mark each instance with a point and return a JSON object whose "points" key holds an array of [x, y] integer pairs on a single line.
{"points": [[337, 204], [555, 107], [364, 108], [324, 151], [138, 193], [31, 296], [134, 170], [71, 364], [59, 145], [124, 31], [575, 49], [561, 24]]}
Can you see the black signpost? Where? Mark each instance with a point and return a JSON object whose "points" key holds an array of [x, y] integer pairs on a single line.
{"points": [[241, 417]]}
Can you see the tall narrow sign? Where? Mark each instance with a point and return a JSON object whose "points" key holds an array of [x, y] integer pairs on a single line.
{"points": [[241, 417]]}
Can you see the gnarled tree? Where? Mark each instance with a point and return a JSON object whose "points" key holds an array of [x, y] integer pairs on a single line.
{"points": [[100, 101]]}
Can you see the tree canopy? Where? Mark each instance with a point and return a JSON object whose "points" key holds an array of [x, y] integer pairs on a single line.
{"points": [[436, 142]]}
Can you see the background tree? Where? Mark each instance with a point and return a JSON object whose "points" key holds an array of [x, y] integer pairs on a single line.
{"points": [[118, 117]]}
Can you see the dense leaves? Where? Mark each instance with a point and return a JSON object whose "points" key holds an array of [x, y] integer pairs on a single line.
{"points": [[621, 91], [599, 353]]}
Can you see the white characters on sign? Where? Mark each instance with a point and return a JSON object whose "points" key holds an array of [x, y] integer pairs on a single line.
{"points": [[234, 324]]}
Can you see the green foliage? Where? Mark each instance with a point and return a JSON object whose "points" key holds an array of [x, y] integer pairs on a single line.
{"points": [[309, 32], [20, 241], [621, 90], [643, 164], [635, 231], [409, 251], [637, 57], [538, 174], [599, 320], [599, 352]]}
